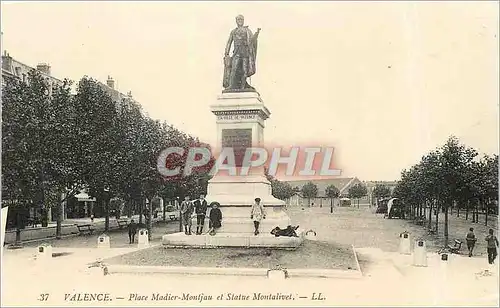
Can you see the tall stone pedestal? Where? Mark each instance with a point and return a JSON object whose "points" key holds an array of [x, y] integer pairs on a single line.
{"points": [[240, 124]]}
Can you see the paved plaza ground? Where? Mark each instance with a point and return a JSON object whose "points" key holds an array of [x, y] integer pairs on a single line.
{"points": [[388, 277]]}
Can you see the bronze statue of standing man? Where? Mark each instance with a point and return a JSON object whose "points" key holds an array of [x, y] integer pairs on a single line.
{"points": [[242, 64]]}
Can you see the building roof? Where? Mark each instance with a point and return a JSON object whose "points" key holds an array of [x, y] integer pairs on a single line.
{"points": [[14, 68]]}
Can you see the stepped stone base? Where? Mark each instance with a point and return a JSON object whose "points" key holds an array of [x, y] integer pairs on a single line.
{"points": [[231, 240]]}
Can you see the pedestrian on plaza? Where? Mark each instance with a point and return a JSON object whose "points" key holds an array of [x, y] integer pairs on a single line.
{"points": [[132, 230], [200, 207], [257, 213], [92, 218], [214, 218], [470, 238], [187, 210], [492, 246]]}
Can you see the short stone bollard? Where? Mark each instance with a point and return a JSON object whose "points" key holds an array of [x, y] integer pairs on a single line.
{"points": [[443, 280], [103, 241], [277, 273], [44, 253], [420, 253], [310, 235], [404, 243], [96, 269], [143, 238]]}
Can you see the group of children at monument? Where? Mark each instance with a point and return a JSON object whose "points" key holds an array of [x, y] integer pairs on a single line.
{"points": [[199, 209]]}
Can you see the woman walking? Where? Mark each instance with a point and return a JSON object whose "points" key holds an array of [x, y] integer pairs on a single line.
{"points": [[257, 214]]}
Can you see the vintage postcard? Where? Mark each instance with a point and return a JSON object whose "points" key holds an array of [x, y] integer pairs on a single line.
{"points": [[272, 153]]}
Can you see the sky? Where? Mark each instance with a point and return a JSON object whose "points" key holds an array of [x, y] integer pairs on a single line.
{"points": [[382, 82]]}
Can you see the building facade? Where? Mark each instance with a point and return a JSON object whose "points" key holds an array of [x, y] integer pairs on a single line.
{"points": [[14, 69]]}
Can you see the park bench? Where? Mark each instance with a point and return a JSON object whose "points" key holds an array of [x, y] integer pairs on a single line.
{"points": [[122, 223], [33, 222], [85, 228], [455, 248], [420, 221]]}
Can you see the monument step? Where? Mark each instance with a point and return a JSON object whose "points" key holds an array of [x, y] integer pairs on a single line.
{"points": [[265, 227], [230, 240]]}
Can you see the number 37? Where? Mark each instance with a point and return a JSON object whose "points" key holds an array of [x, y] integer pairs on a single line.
{"points": [[43, 297]]}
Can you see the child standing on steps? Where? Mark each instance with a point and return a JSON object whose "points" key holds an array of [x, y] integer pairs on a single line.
{"points": [[257, 214], [187, 209], [215, 218]]}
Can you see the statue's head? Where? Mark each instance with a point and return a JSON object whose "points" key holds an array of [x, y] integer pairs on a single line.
{"points": [[240, 20]]}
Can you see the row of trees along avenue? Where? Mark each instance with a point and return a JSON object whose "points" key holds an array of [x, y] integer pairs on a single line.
{"points": [[56, 143], [453, 177]]}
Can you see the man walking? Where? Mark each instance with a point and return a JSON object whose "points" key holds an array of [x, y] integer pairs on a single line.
{"points": [[492, 246], [200, 207], [470, 238], [132, 230], [186, 213]]}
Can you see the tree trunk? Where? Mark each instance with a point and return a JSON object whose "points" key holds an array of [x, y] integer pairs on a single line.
{"points": [[140, 212], [446, 225], [18, 237], [429, 225], [180, 218], [106, 213], [486, 215], [437, 215], [164, 210], [467, 210], [476, 214], [131, 206], [150, 218], [60, 215], [18, 229], [458, 210], [331, 205], [59, 220]]}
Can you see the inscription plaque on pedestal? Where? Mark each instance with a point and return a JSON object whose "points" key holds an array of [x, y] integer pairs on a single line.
{"points": [[239, 139]]}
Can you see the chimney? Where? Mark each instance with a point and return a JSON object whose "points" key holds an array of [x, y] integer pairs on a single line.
{"points": [[129, 94], [6, 61], [44, 68], [110, 82]]}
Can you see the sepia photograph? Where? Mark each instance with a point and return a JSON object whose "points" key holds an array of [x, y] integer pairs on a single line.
{"points": [[249, 153]]}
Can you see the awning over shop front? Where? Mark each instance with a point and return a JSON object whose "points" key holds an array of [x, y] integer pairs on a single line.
{"points": [[84, 197]]}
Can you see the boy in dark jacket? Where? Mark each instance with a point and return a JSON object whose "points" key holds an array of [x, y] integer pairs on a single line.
{"points": [[200, 207], [215, 218]]}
